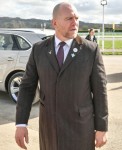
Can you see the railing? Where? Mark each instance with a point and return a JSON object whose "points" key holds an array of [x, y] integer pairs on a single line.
{"points": [[112, 42]]}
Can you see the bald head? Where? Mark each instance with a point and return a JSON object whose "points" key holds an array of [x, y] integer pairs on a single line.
{"points": [[65, 21], [58, 8]]}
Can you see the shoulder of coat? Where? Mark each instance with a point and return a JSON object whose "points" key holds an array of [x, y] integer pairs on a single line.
{"points": [[79, 40], [91, 46], [44, 42], [86, 44]]}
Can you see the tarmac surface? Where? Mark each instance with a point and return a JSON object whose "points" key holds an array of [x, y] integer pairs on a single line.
{"points": [[113, 66]]}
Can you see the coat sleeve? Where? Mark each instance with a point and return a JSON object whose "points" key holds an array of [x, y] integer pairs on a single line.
{"points": [[27, 91], [98, 86]]}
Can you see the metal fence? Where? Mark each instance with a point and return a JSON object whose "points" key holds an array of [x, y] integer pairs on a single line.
{"points": [[112, 41]]}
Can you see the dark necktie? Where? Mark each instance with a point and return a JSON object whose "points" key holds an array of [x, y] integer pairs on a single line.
{"points": [[60, 54]]}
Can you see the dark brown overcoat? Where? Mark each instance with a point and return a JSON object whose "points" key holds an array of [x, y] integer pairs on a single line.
{"points": [[73, 100]]}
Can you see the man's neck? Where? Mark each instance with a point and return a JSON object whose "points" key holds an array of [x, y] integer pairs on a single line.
{"points": [[61, 38]]}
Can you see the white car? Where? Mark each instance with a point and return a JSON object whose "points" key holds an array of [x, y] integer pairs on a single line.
{"points": [[15, 48]]}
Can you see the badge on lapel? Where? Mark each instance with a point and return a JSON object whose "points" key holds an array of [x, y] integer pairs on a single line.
{"points": [[75, 50], [73, 55], [50, 52]]}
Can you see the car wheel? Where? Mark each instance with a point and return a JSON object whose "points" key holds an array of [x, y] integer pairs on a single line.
{"points": [[13, 87]]}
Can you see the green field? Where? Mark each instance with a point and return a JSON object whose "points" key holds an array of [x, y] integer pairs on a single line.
{"points": [[109, 44], [109, 47], [111, 53]]}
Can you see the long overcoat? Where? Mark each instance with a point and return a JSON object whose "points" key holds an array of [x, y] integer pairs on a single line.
{"points": [[73, 100]]}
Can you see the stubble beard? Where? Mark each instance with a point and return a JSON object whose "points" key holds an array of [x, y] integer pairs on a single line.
{"points": [[70, 36], [66, 35]]}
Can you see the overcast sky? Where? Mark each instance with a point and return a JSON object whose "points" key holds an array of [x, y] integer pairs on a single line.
{"points": [[89, 10]]}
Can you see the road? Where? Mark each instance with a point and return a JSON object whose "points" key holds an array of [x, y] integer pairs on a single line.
{"points": [[113, 66]]}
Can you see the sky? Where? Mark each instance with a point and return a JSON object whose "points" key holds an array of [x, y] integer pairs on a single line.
{"points": [[90, 11]]}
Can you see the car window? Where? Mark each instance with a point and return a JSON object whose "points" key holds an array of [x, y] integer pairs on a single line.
{"points": [[24, 45], [6, 42]]}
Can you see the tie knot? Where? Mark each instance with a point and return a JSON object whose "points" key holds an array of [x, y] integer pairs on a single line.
{"points": [[62, 44]]}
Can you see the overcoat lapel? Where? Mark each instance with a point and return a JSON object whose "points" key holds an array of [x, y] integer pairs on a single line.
{"points": [[51, 54], [75, 49]]}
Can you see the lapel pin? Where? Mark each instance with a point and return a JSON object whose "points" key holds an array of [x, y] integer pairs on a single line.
{"points": [[73, 55], [50, 52], [80, 46], [75, 50]]}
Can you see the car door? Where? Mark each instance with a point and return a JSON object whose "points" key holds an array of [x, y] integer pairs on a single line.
{"points": [[8, 55], [25, 48]]}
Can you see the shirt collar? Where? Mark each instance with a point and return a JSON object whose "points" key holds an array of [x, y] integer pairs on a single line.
{"points": [[68, 42]]}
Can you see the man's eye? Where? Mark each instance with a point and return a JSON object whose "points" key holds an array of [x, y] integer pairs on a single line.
{"points": [[69, 18], [76, 18]]}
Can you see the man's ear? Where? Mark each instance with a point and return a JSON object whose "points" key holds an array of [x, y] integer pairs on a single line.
{"points": [[53, 23]]}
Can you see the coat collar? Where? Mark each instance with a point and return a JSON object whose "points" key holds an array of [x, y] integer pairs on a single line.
{"points": [[51, 54], [76, 47]]}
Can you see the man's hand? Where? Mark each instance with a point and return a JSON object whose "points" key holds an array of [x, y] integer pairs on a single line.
{"points": [[100, 138], [21, 136]]}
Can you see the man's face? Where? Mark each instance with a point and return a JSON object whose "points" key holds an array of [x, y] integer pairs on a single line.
{"points": [[66, 23]]}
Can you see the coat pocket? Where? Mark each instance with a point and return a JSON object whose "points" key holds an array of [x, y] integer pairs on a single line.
{"points": [[86, 111]]}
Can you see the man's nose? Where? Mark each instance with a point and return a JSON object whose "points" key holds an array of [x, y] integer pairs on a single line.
{"points": [[75, 21]]}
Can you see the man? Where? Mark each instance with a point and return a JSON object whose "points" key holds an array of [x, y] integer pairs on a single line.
{"points": [[73, 105]]}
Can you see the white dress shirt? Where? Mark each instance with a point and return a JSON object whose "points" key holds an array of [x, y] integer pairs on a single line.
{"points": [[66, 48]]}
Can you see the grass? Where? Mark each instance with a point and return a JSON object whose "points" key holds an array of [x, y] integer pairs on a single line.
{"points": [[108, 44], [110, 49], [111, 53]]}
